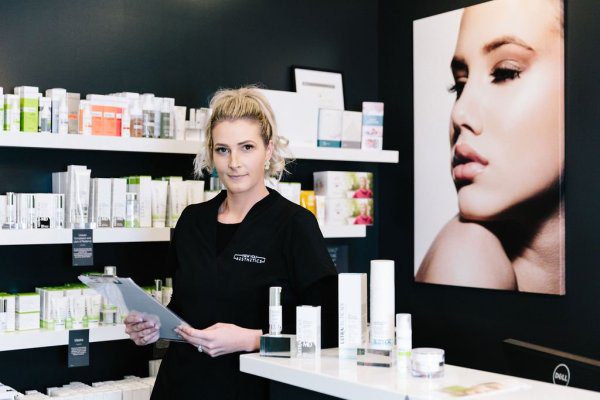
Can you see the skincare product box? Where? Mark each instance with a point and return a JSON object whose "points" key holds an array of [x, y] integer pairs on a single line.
{"points": [[372, 126], [45, 213], [100, 196], [27, 321], [142, 185], [280, 346], [159, 203], [57, 96], [73, 110], [9, 300], [12, 113], [308, 331], [296, 115], [371, 357], [339, 184], [290, 190], [26, 212], [330, 128], [351, 130], [348, 211], [117, 202], [29, 107], [3, 202], [352, 324], [382, 304], [177, 198], [27, 302], [320, 203], [309, 201]]}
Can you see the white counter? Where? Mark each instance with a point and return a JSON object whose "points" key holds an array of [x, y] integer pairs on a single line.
{"points": [[344, 379]]}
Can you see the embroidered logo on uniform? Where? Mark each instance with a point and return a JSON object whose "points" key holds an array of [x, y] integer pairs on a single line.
{"points": [[249, 258]]}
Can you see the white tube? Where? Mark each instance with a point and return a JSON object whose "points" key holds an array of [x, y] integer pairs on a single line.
{"points": [[92, 305], [77, 311], [382, 304], [159, 203], [60, 308]]}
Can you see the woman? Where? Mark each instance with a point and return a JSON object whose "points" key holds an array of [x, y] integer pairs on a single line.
{"points": [[506, 134], [227, 252], [363, 191]]}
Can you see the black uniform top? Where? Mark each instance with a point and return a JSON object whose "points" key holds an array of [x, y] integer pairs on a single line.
{"points": [[277, 244]]}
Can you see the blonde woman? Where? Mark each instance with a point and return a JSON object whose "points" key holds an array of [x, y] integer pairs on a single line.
{"points": [[227, 252]]}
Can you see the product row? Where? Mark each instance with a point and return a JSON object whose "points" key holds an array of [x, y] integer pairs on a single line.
{"points": [[120, 114], [130, 388], [79, 201], [70, 306], [299, 116], [378, 344]]}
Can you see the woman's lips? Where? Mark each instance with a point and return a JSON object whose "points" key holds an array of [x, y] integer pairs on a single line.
{"points": [[467, 163]]}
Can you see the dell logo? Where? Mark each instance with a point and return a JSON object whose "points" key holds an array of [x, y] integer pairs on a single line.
{"points": [[561, 375]]}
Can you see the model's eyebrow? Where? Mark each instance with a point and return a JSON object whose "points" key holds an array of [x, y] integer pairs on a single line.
{"points": [[458, 64], [239, 144], [504, 40]]}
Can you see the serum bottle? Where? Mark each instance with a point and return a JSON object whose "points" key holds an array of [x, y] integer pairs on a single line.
{"points": [[275, 314]]}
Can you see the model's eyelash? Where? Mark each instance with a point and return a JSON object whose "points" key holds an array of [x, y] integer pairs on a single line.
{"points": [[505, 74], [221, 149], [457, 88]]}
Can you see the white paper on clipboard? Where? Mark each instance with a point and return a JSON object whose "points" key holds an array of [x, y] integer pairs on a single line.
{"points": [[128, 296]]}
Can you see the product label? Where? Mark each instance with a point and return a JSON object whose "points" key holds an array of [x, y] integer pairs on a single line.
{"points": [[83, 248], [78, 349]]}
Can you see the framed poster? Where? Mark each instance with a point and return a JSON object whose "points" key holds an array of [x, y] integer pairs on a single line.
{"points": [[489, 147], [328, 86]]}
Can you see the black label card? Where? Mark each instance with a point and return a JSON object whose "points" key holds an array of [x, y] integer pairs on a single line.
{"points": [[79, 348], [83, 247]]}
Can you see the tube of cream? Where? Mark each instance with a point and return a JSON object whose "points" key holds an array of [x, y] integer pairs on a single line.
{"points": [[60, 308], [92, 305], [77, 311], [159, 203]]}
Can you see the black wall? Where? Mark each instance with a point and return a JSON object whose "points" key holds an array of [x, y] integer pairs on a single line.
{"points": [[176, 48], [471, 323]]}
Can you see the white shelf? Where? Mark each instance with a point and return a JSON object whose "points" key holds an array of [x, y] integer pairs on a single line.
{"points": [[344, 379], [105, 143], [338, 154], [147, 145], [101, 235], [343, 231], [45, 338]]}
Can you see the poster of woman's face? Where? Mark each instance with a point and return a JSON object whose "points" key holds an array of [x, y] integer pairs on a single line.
{"points": [[489, 147]]}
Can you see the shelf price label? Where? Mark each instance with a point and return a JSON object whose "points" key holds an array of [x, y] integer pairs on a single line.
{"points": [[79, 348], [83, 247]]}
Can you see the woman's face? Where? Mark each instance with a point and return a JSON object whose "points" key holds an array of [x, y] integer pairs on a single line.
{"points": [[506, 128], [362, 182], [239, 154]]}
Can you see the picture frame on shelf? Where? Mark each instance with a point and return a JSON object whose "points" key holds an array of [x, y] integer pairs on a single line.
{"points": [[327, 85]]}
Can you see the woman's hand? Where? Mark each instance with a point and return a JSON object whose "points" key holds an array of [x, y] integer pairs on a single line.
{"points": [[142, 328], [221, 338]]}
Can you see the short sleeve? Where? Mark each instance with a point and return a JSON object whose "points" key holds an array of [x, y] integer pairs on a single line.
{"points": [[307, 255]]}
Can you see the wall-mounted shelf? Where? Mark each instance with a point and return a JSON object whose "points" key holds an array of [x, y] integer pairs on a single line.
{"points": [[20, 340], [129, 235], [343, 231], [101, 235], [146, 145]]}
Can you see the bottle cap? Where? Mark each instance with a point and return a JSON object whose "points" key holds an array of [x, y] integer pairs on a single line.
{"points": [[274, 296]]}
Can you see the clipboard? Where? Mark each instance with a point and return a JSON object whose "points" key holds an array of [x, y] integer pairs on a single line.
{"points": [[128, 296]]}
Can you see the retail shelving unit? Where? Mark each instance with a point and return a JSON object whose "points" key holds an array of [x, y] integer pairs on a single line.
{"points": [[110, 143], [45, 338], [130, 235]]}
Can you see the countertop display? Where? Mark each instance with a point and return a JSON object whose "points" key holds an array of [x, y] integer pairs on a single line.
{"points": [[344, 379]]}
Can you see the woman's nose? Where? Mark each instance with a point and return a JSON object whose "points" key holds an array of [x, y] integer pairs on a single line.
{"points": [[466, 114], [233, 160]]}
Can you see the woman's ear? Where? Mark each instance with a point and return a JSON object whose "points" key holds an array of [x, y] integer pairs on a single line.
{"points": [[270, 149]]}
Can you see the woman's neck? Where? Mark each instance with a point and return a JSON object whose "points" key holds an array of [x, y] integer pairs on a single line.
{"points": [[237, 205], [536, 249]]}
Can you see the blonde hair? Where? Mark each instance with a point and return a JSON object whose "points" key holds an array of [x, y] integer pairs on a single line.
{"points": [[244, 103]]}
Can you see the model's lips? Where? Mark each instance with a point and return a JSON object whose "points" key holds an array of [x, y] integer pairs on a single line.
{"points": [[236, 177], [467, 163]]}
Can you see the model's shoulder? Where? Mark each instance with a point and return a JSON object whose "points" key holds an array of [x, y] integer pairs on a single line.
{"points": [[467, 254]]}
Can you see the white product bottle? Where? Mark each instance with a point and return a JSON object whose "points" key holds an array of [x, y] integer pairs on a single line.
{"points": [[403, 342], [3, 315], [45, 115], [63, 117], [158, 101], [85, 116], [382, 304], [136, 120], [167, 291], [148, 115], [275, 312], [125, 122]]}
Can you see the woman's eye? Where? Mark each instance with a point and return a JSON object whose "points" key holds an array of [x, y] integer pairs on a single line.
{"points": [[248, 147], [457, 88], [221, 150], [505, 73]]}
